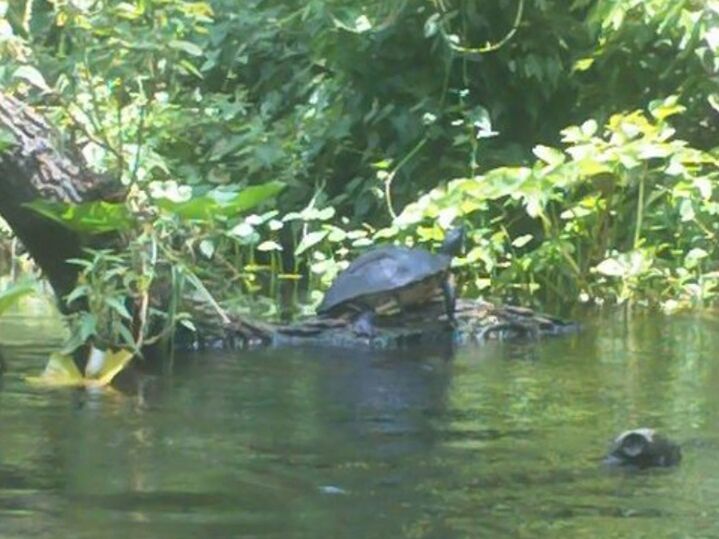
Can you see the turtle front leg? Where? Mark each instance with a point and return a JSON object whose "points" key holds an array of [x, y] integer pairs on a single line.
{"points": [[363, 325], [450, 298]]}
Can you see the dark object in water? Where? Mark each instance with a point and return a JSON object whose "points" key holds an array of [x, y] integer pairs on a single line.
{"points": [[392, 274], [643, 448]]}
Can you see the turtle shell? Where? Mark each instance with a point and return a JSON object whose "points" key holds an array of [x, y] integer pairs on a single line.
{"points": [[382, 273]]}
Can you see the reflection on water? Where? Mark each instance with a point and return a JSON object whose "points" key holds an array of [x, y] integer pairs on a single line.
{"points": [[497, 441]]}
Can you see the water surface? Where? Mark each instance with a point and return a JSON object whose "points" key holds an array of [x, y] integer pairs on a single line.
{"points": [[494, 441]]}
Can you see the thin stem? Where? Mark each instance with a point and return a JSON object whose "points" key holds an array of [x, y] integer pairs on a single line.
{"points": [[390, 177], [490, 47], [640, 211]]}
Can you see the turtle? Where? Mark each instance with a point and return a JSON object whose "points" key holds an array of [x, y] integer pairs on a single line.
{"points": [[642, 448], [392, 274]]}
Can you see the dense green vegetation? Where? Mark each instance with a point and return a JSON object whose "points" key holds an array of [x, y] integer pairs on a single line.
{"points": [[578, 141]]}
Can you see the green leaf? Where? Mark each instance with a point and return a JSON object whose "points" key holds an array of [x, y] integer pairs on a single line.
{"points": [[88, 327], [310, 240], [219, 203], [611, 267], [207, 248], [77, 292], [89, 217], [521, 241], [186, 46], [583, 64], [663, 108], [269, 246], [33, 76], [119, 307], [551, 156]]}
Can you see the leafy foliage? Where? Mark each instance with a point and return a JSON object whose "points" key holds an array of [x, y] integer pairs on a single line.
{"points": [[343, 124]]}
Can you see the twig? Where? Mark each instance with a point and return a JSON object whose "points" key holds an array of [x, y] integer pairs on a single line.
{"points": [[489, 47]]}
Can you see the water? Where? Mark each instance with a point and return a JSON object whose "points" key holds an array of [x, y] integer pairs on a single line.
{"points": [[497, 441]]}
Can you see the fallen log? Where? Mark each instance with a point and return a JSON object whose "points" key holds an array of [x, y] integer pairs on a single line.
{"points": [[477, 321]]}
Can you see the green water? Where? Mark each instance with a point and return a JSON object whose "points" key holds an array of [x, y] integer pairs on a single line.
{"points": [[494, 441]]}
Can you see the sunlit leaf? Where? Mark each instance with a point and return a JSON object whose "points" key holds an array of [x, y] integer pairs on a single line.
{"points": [[242, 230], [207, 248], [551, 156], [269, 246], [583, 64], [521, 241], [610, 267], [186, 46], [60, 371], [310, 240], [103, 366], [89, 217], [218, 203], [33, 76], [662, 109], [694, 257]]}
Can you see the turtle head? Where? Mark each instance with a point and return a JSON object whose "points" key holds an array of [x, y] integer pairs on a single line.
{"points": [[453, 241]]}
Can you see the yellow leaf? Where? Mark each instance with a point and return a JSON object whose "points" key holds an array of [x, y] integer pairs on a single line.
{"points": [[102, 367], [583, 64], [111, 364], [60, 371]]}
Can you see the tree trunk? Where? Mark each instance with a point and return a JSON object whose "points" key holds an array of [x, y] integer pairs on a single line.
{"points": [[34, 168]]}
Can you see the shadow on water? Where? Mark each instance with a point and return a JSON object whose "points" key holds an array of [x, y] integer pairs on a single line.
{"points": [[503, 440]]}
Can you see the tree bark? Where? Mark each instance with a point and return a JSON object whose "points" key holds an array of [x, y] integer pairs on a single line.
{"points": [[35, 168]]}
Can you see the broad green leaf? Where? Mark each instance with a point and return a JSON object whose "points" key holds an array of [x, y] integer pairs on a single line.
{"points": [[218, 203], [87, 218], [310, 240], [664, 108], [243, 230], [610, 267], [207, 248], [269, 246], [694, 257], [589, 128], [551, 156], [521, 241], [583, 64], [186, 46], [31, 75]]}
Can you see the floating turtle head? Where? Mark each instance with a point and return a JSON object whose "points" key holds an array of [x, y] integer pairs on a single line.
{"points": [[643, 448], [453, 241]]}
